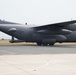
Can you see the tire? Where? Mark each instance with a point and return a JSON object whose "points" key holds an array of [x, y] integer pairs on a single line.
{"points": [[51, 44], [39, 43], [45, 44], [60, 42]]}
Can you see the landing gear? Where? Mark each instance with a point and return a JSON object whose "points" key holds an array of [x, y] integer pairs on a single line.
{"points": [[39, 43], [12, 40], [60, 42], [51, 44], [45, 44]]}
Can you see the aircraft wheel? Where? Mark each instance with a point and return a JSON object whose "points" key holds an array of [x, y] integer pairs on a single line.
{"points": [[39, 43], [45, 44], [60, 42], [51, 44]]}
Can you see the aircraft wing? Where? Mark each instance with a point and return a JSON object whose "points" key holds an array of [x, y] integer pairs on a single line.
{"points": [[49, 26], [57, 28]]}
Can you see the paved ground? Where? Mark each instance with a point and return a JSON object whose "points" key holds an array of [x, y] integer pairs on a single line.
{"points": [[29, 59]]}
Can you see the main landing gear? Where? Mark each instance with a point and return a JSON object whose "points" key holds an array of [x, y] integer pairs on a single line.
{"points": [[45, 44]]}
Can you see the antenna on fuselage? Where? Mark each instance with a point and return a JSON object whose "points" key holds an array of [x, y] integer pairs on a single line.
{"points": [[25, 23]]}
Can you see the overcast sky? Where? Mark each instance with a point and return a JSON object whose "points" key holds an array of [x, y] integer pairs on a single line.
{"points": [[37, 11]]}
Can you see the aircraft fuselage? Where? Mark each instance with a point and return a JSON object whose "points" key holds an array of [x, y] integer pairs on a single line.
{"points": [[30, 34]]}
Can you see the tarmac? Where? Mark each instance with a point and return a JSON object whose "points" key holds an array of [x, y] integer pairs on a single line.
{"points": [[30, 59]]}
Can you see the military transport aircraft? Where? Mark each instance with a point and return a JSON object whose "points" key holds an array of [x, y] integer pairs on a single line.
{"points": [[43, 35]]}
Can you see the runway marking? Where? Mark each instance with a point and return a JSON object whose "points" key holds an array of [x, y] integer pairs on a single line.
{"points": [[46, 64]]}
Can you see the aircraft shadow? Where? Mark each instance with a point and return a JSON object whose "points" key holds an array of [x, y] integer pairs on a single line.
{"points": [[24, 49]]}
